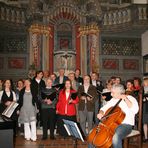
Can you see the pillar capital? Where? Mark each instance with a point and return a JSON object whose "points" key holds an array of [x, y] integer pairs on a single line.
{"points": [[40, 29], [88, 29]]}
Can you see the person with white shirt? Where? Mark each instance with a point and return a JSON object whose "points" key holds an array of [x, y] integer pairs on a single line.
{"points": [[129, 106], [61, 78], [7, 96]]}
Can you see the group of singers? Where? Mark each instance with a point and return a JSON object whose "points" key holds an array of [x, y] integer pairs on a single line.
{"points": [[45, 100]]}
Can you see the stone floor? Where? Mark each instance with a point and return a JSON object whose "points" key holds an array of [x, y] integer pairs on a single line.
{"points": [[58, 143]]}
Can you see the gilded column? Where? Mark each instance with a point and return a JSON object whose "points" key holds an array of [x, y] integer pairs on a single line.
{"points": [[89, 40], [37, 32]]}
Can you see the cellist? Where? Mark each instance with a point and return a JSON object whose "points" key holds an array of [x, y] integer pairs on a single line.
{"points": [[129, 106]]}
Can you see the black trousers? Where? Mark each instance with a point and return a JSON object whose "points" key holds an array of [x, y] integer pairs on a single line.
{"points": [[48, 121], [60, 124]]}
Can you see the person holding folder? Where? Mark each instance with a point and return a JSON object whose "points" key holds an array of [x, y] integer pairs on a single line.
{"points": [[65, 107], [87, 94], [49, 100]]}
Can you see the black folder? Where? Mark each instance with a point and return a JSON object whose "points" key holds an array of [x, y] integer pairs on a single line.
{"points": [[86, 95], [50, 96], [74, 95], [107, 95], [59, 86]]}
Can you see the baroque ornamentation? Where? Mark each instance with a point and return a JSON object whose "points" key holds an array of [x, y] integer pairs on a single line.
{"points": [[89, 29], [40, 29]]}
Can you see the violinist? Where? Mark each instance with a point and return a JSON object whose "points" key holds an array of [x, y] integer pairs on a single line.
{"points": [[129, 106]]}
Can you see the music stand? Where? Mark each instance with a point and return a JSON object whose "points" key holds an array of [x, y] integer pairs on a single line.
{"points": [[73, 130]]}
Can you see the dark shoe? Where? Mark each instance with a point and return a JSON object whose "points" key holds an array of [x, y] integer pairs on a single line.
{"points": [[52, 137], [145, 140], [44, 138]]}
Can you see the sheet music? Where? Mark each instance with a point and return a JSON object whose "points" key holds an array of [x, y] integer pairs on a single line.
{"points": [[72, 129], [10, 109]]}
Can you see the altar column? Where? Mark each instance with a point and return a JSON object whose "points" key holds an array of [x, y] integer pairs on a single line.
{"points": [[39, 55], [83, 50], [89, 40], [94, 37]]}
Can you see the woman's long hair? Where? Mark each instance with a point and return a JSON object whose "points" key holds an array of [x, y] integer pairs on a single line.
{"points": [[70, 86]]}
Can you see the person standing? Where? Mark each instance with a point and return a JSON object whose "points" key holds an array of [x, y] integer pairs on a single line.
{"points": [[7, 96], [37, 85], [98, 84], [78, 78], [28, 109], [145, 109], [86, 105], [66, 107], [61, 78], [48, 109]]}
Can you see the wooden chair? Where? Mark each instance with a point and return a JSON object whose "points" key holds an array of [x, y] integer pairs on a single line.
{"points": [[136, 132]]}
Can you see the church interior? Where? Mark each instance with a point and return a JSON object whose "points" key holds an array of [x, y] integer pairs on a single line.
{"points": [[108, 37]]}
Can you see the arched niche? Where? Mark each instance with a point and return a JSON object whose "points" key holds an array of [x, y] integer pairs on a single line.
{"points": [[64, 47]]}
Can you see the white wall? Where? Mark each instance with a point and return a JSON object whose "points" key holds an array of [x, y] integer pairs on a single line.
{"points": [[140, 1], [145, 43]]}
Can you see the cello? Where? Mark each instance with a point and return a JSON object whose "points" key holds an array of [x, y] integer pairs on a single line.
{"points": [[101, 135]]}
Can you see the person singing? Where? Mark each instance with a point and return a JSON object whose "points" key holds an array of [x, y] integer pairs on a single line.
{"points": [[66, 108], [48, 109], [28, 110], [86, 105], [129, 106]]}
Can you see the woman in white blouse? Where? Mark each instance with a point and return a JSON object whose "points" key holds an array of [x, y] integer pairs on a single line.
{"points": [[7, 96]]}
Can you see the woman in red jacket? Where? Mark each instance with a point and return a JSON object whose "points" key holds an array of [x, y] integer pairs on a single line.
{"points": [[66, 108]]}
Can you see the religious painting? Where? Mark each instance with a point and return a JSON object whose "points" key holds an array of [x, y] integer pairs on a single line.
{"points": [[64, 43], [1, 63], [17, 63], [110, 64], [130, 64]]}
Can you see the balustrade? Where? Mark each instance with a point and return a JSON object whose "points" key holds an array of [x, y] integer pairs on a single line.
{"points": [[10, 14]]}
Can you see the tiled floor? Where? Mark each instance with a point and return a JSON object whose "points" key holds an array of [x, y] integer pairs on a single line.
{"points": [[58, 143]]}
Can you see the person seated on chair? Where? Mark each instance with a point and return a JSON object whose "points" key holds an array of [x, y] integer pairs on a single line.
{"points": [[129, 106]]}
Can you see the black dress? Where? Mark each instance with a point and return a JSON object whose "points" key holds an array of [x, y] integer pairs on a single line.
{"points": [[145, 108]]}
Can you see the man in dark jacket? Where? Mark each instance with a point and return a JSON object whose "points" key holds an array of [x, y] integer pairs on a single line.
{"points": [[37, 85]]}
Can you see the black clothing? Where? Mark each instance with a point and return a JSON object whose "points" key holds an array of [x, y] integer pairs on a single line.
{"points": [[37, 87], [21, 98], [79, 80], [48, 113], [145, 108], [48, 121], [4, 99], [57, 80]]}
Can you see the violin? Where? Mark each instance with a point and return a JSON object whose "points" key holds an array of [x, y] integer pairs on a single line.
{"points": [[101, 135]]}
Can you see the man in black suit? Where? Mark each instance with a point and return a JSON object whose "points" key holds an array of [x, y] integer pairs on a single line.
{"points": [[98, 84], [61, 78]]}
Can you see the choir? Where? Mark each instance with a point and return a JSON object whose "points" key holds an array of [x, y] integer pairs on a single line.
{"points": [[46, 99]]}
